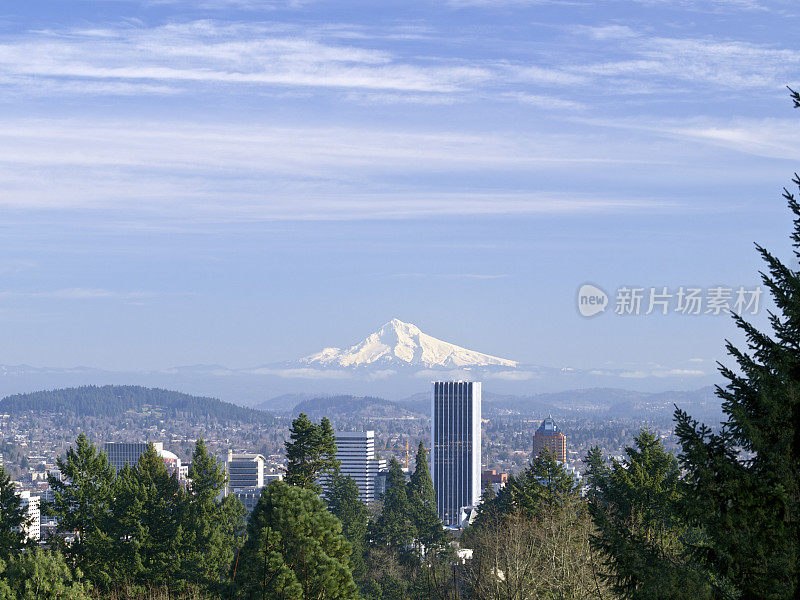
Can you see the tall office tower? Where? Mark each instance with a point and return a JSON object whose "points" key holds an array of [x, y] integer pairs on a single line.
{"points": [[456, 447], [549, 436], [245, 471], [30, 503], [355, 450]]}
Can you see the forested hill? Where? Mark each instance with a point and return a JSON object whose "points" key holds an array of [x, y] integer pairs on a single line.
{"points": [[116, 400], [349, 406]]}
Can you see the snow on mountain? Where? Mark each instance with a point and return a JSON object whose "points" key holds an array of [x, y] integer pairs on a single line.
{"points": [[403, 344]]}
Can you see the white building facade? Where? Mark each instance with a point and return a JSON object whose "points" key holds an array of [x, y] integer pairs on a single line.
{"points": [[245, 470], [455, 447], [355, 450], [31, 504]]}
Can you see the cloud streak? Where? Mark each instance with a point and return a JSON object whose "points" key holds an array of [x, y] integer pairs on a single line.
{"points": [[78, 294], [207, 52]]}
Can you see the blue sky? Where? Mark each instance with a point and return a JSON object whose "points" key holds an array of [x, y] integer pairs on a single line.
{"points": [[240, 182]]}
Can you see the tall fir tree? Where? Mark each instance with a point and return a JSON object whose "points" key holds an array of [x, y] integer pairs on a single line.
{"points": [[395, 525], [743, 482], [13, 518], [82, 499], [294, 549], [639, 530], [422, 501], [310, 452], [213, 524], [151, 506], [344, 503]]}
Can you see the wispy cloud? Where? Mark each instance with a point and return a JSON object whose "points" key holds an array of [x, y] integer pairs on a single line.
{"points": [[207, 52], [476, 276], [721, 63], [359, 64], [17, 265], [661, 373], [766, 138], [303, 373], [606, 32], [78, 294], [212, 173], [707, 5]]}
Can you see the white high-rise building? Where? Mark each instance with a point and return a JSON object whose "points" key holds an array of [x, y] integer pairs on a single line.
{"points": [[455, 447], [245, 470], [31, 505], [356, 452]]}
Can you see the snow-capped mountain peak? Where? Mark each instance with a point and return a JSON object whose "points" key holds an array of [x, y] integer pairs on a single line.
{"points": [[403, 344]]}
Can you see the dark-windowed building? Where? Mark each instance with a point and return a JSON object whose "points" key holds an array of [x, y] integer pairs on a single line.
{"points": [[456, 447]]}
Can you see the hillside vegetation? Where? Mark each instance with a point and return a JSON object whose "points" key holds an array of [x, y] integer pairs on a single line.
{"points": [[116, 400]]}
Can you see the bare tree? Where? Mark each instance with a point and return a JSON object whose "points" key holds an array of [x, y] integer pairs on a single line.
{"points": [[519, 557]]}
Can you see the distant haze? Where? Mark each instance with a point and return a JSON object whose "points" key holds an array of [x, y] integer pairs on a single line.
{"points": [[396, 361]]}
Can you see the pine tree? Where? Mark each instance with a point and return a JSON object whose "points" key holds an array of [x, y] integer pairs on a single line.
{"points": [[266, 576], [82, 506], [743, 482], [487, 509], [126, 528], [420, 486], [13, 518], [211, 524], [634, 506], [422, 501], [543, 485], [294, 547], [395, 526], [150, 505], [556, 486], [344, 503], [310, 453], [41, 575]]}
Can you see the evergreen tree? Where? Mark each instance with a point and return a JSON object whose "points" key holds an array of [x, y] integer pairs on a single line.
{"points": [[487, 509], [634, 506], [13, 518], [556, 486], [82, 505], [395, 526], [344, 503], [542, 486], [126, 528], [295, 548], [6, 593], [41, 575], [422, 501], [211, 524], [743, 482], [150, 504], [310, 453], [270, 578]]}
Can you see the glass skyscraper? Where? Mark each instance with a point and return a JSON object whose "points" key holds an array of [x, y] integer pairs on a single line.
{"points": [[455, 447]]}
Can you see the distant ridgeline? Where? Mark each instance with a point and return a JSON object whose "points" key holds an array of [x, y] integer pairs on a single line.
{"points": [[116, 400], [355, 406]]}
